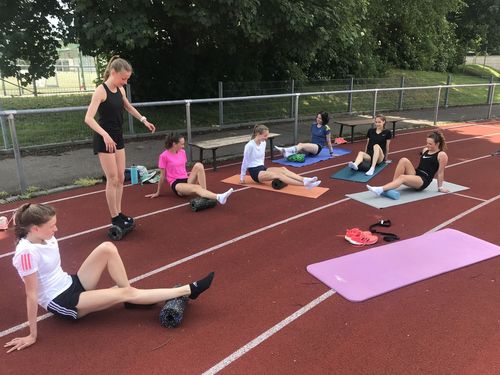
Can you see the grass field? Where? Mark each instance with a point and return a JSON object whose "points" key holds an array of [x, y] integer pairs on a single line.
{"points": [[69, 126]]}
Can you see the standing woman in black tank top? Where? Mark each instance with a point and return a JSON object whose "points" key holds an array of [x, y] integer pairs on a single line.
{"points": [[432, 161], [109, 100]]}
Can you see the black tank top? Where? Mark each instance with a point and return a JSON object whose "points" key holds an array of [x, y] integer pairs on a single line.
{"points": [[111, 111], [429, 163]]}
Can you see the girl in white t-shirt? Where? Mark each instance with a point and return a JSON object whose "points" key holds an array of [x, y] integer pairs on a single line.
{"points": [[38, 262], [253, 162], [172, 164]]}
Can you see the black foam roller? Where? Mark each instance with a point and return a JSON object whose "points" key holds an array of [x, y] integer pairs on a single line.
{"points": [[278, 184], [198, 204], [172, 313], [364, 166]]}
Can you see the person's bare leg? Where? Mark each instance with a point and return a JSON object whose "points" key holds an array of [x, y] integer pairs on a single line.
{"points": [[197, 175]]}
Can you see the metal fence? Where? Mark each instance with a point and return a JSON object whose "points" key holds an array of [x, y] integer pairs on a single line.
{"points": [[66, 79], [289, 109]]}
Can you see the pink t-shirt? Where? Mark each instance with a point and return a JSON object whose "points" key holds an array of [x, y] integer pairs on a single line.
{"points": [[174, 165]]}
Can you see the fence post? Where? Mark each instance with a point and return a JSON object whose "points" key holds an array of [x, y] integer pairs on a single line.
{"points": [[4, 132], [375, 95], [401, 93], [128, 91], [490, 88], [17, 153], [296, 122], [349, 97], [78, 75], [83, 71], [221, 103], [188, 129], [492, 99], [35, 92], [19, 86], [292, 99], [447, 91], [437, 106], [3, 84]]}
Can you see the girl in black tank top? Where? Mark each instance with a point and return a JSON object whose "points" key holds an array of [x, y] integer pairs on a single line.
{"points": [[432, 162], [109, 101]]}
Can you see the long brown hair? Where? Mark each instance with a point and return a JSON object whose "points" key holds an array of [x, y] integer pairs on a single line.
{"points": [[172, 138], [438, 137], [31, 214], [259, 129], [118, 65], [382, 117]]}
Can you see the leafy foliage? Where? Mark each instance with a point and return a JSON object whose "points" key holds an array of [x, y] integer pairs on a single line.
{"points": [[181, 48], [26, 33]]}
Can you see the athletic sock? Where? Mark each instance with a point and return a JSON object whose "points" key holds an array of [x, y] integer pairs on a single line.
{"points": [[370, 171], [312, 184], [222, 198], [200, 286], [375, 189], [280, 149], [308, 180], [288, 151], [352, 165]]}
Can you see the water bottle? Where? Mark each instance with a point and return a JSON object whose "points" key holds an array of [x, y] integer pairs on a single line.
{"points": [[134, 175]]}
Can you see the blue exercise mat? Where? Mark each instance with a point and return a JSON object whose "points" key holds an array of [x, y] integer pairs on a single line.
{"points": [[349, 174], [323, 155]]}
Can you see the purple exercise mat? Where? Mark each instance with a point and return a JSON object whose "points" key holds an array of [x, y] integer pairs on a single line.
{"points": [[372, 272]]}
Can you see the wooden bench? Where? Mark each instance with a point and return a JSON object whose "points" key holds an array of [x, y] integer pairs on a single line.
{"points": [[214, 144], [353, 122]]}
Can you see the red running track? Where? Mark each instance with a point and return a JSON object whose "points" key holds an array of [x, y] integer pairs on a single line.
{"points": [[264, 312]]}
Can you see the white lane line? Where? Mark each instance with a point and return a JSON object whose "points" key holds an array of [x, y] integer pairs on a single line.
{"points": [[243, 188], [470, 197], [465, 213], [264, 336], [199, 254], [267, 334], [237, 163]]}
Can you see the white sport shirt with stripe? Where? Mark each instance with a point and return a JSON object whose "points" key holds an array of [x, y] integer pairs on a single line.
{"points": [[44, 259]]}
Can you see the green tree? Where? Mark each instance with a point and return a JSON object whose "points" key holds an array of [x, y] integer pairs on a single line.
{"points": [[27, 34], [415, 34], [479, 26], [182, 48]]}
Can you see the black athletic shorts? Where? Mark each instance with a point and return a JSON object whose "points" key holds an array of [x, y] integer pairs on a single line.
{"points": [[425, 178], [178, 181], [65, 303], [100, 146], [254, 172], [319, 149]]}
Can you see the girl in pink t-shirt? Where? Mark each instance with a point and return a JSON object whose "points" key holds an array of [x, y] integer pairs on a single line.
{"points": [[172, 163]]}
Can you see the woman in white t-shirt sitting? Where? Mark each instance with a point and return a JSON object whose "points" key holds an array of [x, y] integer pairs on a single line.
{"points": [[38, 263], [253, 162]]}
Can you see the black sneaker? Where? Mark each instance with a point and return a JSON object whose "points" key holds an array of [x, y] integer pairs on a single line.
{"points": [[126, 218]]}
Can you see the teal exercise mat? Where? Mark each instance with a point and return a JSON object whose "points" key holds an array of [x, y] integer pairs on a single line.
{"points": [[382, 269], [349, 174], [310, 159], [407, 195]]}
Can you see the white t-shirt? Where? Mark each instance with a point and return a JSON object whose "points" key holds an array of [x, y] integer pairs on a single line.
{"points": [[46, 261], [253, 156]]}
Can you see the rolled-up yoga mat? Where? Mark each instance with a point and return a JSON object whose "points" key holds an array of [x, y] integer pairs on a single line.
{"points": [[198, 204], [172, 313], [278, 184]]}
